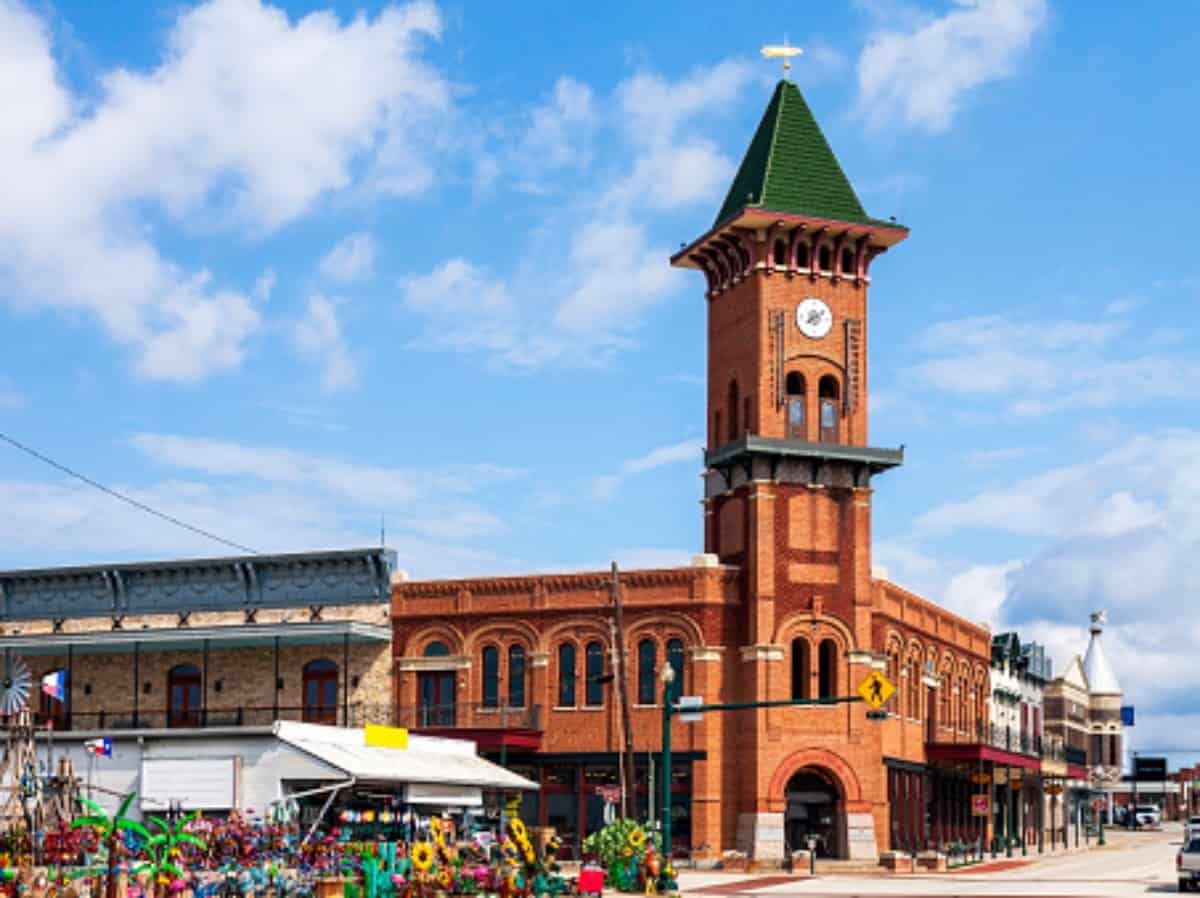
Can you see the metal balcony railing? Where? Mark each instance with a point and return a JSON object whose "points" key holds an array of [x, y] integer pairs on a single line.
{"points": [[470, 716], [985, 733], [353, 715]]}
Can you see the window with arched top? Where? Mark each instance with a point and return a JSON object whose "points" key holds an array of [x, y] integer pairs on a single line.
{"points": [[516, 676], [945, 709], [848, 263], [436, 649], [183, 696], [716, 428], [594, 666], [794, 387], [51, 709], [801, 670], [320, 685], [827, 669], [675, 659], [780, 253], [828, 394], [646, 655], [825, 259], [566, 675], [491, 676], [733, 410], [801, 255]]}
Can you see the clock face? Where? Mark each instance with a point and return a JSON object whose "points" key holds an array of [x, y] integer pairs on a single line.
{"points": [[814, 318]]}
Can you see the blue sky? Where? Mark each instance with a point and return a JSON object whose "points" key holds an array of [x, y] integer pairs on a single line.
{"points": [[283, 270]]}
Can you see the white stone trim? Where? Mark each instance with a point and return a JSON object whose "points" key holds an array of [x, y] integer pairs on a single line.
{"points": [[762, 653], [445, 662], [539, 659], [702, 653]]}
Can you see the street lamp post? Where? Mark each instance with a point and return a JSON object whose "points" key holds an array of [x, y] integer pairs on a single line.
{"points": [[668, 678]]}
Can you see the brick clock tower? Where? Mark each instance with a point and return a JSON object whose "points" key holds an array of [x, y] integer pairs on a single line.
{"points": [[788, 465]]}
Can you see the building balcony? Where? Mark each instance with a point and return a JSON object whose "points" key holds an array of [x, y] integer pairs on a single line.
{"points": [[491, 726], [122, 719], [986, 742]]}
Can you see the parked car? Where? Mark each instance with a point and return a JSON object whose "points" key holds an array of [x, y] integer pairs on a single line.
{"points": [[1191, 829], [1187, 865], [1147, 815]]}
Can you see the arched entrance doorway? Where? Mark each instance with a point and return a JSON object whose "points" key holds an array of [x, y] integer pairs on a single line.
{"points": [[815, 811]]}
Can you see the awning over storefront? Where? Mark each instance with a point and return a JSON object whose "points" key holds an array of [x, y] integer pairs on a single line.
{"points": [[427, 760], [980, 753]]}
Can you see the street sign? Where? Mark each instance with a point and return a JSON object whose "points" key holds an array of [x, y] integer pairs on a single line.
{"points": [[1127, 716], [876, 690], [980, 805], [611, 794], [1152, 770], [690, 701]]}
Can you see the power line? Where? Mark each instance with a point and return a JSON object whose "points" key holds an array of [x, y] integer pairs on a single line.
{"points": [[141, 506]]}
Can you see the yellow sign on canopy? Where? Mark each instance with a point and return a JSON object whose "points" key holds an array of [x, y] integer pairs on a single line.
{"points": [[876, 689], [385, 737]]}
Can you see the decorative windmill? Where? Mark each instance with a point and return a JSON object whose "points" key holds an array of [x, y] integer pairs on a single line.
{"points": [[19, 775]]}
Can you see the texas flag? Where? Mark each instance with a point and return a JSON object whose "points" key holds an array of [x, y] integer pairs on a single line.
{"points": [[55, 684], [102, 747]]}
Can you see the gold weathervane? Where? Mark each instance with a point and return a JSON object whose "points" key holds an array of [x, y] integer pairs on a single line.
{"points": [[784, 51]]}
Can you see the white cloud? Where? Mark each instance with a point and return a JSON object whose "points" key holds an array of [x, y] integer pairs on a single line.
{"points": [[582, 305], [1035, 367], [605, 487], [353, 259], [560, 131], [317, 101], [919, 73], [318, 335], [264, 285]]}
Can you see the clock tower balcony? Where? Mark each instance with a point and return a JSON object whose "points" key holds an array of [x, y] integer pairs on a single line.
{"points": [[800, 462]]}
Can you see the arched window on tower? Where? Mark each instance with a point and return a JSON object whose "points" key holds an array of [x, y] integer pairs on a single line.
{"points": [[825, 259], [780, 253], [827, 669], [848, 263], [491, 677], [734, 431], [646, 655], [801, 670], [566, 675], [828, 395], [796, 425], [801, 255]]}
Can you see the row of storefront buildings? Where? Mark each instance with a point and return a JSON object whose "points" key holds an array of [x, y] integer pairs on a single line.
{"points": [[982, 743]]}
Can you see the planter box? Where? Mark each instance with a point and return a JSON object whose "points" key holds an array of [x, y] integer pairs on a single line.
{"points": [[896, 861], [934, 861]]}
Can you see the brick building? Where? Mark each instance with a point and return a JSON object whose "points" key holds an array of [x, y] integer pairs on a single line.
{"points": [[783, 603]]}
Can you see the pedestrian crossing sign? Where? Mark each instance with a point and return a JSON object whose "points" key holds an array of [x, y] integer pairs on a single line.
{"points": [[876, 689]]}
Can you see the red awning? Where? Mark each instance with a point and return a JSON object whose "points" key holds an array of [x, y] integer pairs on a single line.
{"points": [[978, 752]]}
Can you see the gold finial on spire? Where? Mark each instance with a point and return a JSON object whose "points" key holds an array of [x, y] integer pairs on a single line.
{"points": [[784, 51]]}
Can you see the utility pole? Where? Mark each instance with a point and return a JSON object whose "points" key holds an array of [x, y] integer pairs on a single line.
{"points": [[626, 755]]}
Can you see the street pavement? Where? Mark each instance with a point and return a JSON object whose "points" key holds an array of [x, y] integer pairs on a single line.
{"points": [[1132, 864]]}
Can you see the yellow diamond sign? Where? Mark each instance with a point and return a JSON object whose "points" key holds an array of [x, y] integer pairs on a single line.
{"points": [[876, 689]]}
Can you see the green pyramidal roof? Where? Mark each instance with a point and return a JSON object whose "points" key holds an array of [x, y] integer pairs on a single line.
{"points": [[790, 167]]}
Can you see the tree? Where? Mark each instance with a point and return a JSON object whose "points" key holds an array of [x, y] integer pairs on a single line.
{"points": [[108, 829]]}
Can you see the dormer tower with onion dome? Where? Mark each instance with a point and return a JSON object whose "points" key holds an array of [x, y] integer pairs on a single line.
{"points": [[1105, 742]]}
